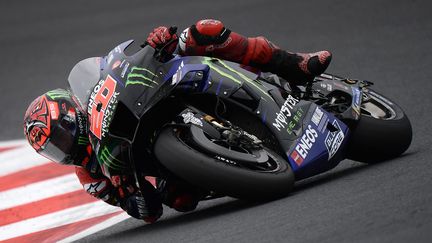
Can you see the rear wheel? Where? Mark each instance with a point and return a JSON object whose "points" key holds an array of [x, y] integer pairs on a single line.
{"points": [[383, 131], [268, 177]]}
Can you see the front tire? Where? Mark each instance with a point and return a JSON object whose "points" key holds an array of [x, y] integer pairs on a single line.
{"points": [[383, 131], [210, 173]]}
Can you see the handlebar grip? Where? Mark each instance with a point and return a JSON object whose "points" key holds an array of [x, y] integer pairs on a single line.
{"points": [[172, 30]]}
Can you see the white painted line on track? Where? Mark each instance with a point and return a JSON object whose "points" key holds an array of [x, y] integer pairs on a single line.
{"points": [[48, 221], [39, 190], [96, 228], [17, 142], [20, 159]]}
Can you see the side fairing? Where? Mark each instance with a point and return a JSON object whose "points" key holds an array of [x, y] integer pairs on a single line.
{"points": [[320, 145], [312, 138]]}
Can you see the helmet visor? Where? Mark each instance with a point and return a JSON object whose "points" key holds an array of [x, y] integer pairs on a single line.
{"points": [[60, 146]]}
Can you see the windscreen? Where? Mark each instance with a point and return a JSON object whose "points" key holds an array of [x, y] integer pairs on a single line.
{"points": [[83, 77]]}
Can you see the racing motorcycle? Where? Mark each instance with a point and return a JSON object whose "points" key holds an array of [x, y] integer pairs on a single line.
{"points": [[225, 129]]}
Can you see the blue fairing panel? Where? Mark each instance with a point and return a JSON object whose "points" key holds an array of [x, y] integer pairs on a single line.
{"points": [[321, 144]]}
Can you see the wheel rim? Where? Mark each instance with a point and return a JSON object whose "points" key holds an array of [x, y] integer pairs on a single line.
{"points": [[271, 165], [374, 106]]}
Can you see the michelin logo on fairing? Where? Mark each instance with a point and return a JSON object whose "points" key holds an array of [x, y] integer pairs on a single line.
{"points": [[285, 113], [334, 140], [317, 116]]}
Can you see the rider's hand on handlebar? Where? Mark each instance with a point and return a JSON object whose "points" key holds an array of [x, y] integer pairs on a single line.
{"points": [[161, 36]]}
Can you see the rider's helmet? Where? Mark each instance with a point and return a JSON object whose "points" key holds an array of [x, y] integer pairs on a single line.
{"points": [[56, 127]]}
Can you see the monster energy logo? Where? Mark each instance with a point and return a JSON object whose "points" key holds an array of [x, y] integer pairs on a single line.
{"points": [[58, 93], [109, 160], [83, 140], [227, 75], [140, 76]]}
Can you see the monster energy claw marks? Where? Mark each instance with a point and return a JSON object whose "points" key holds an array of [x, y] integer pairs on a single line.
{"points": [[141, 76]]}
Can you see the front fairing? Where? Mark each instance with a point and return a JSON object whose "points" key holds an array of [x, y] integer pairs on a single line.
{"points": [[116, 90]]}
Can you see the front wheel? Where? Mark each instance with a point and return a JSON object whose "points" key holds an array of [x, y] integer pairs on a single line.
{"points": [[383, 131], [263, 180]]}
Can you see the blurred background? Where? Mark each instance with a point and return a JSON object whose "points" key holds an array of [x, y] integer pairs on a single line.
{"points": [[384, 41]]}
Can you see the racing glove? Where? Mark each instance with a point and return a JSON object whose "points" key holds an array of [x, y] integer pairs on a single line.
{"points": [[137, 207], [144, 203], [161, 36]]}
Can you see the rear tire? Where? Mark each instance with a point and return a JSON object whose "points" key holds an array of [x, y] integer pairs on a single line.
{"points": [[380, 134], [222, 177]]}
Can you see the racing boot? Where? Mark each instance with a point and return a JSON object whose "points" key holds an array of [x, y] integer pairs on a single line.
{"points": [[298, 68]]}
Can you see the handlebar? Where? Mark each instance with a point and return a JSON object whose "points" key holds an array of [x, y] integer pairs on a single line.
{"points": [[160, 52]]}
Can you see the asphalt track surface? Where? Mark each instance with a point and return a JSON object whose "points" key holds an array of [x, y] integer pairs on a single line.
{"points": [[387, 41]]}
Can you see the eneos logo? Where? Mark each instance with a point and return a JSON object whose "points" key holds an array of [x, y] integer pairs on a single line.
{"points": [[305, 145]]}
